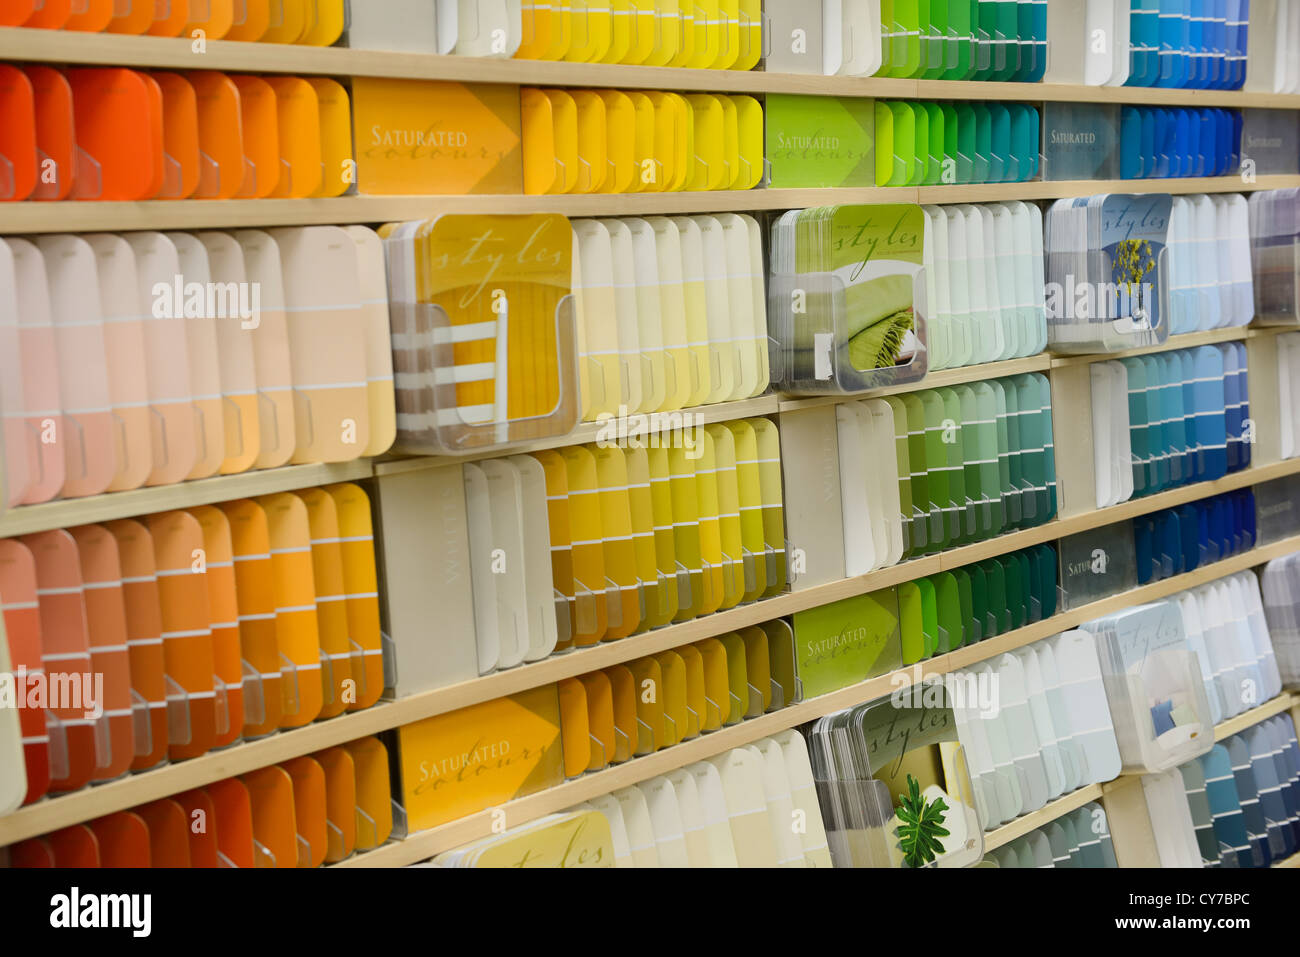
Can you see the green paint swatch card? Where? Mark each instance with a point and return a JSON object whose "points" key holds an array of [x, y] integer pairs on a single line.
{"points": [[820, 141], [847, 641]]}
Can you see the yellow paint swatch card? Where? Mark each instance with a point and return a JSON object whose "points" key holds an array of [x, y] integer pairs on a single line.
{"points": [[326, 26], [593, 607], [695, 301], [539, 597], [650, 700], [748, 317], [623, 692], [676, 720], [592, 141], [729, 39], [561, 544], [592, 26], [750, 490], [672, 313], [683, 11], [564, 136], [621, 32], [738, 679], [250, 538], [708, 28], [616, 531], [665, 821], [646, 178], [335, 120], [686, 529], [621, 168], [643, 29], [337, 683], [658, 592], [575, 729], [663, 46], [361, 588], [291, 23], [733, 553], [717, 684], [749, 142], [750, 34], [462, 762], [751, 830], [373, 282], [298, 117], [601, 368], [416, 137], [640, 830], [769, 470], [600, 719], [623, 263], [645, 256], [541, 172], [759, 667], [696, 700], [710, 529], [540, 31], [709, 168], [674, 583], [374, 793]]}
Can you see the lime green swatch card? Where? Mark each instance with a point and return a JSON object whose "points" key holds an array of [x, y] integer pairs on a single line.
{"points": [[847, 641], [820, 141]]}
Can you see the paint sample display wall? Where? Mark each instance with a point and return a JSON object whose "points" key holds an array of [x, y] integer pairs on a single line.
{"points": [[486, 434]]}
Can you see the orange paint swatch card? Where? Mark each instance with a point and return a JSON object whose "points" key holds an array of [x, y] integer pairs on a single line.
{"points": [[600, 719], [374, 795], [462, 762], [132, 18], [234, 822], [171, 17], [119, 132], [50, 15], [187, 634], [575, 727], [623, 692], [22, 625], [200, 827], [91, 16], [337, 684], [75, 847], [65, 651], [90, 459], [180, 136], [34, 852], [297, 631], [275, 830], [168, 824], [261, 136], [418, 137], [123, 337], [335, 120], [55, 132], [309, 801], [297, 114], [213, 17], [123, 840], [361, 588], [101, 571], [340, 802], [288, 21], [223, 607], [13, 13], [220, 134], [143, 640], [250, 538], [43, 424], [251, 19]]}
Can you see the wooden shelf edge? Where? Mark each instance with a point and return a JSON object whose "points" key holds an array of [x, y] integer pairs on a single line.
{"points": [[1248, 719], [1044, 815], [58, 46]]}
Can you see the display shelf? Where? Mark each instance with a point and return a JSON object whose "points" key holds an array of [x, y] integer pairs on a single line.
{"points": [[1044, 815], [189, 214], [1274, 706], [58, 46]]}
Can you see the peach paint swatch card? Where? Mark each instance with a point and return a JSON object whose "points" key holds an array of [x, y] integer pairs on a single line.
{"points": [[373, 280], [20, 612], [235, 363], [143, 640], [187, 635], [65, 653], [13, 760], [273, 369], [255, 592], [42, 394], [418, 137], [296, 626], [101, 572], [201, 345], [16, 476]]}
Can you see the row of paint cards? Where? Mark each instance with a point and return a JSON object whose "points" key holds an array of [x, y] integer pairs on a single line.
{"points": [[712, 34], [1211, 282], [607, 141], [1080, 838], [1159, 142], [551, 141], [308, 22], [869, 775], [207, 625], [819, 141], [592, 543], [1107, 272], [626, 711], [690, 313], [146, 359], [848, 297], [1174, 541], [732, 810], [849, 641], [1280, 582], [306, 812], [1160, 421], [1180, 44], [1274, 237], [1236, 806], [1040, 729], [913, 474], [959, 40], [109, 133]]}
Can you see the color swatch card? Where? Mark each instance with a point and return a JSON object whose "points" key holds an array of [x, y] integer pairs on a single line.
{"points": [[848, 297], [969, 462], [1180, 44], [1278, 583], [689, 316], [1107, 272], [1272, 54], [965, 40], [894, 784], [1159, 142], [1170, 419], [1274, 235], [1178, 540], [483, 328], [304, 22], [1080, 838], [1211, 278], [711, 35]]}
